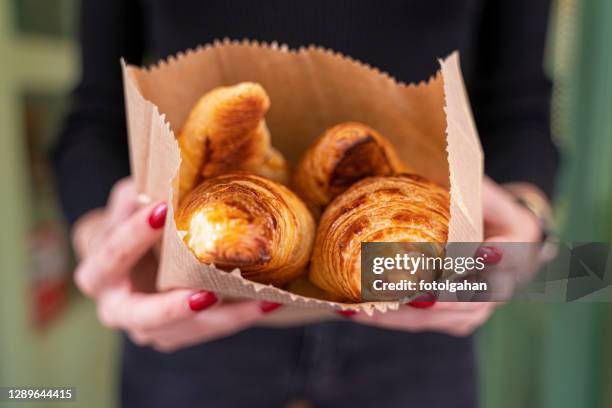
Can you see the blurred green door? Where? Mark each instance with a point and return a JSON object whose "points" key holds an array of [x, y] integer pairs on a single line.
{"points": [[555, 356]]}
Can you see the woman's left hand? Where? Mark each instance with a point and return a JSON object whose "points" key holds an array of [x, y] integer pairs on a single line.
{"points": [[504, 221]]}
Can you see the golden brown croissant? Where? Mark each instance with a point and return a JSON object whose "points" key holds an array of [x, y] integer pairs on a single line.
{"points": [[342, 155], [226, 131], [404, 208], [245, 221]]}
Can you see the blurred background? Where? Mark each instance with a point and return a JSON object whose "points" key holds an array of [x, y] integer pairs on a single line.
{"points": [[531, 355]]}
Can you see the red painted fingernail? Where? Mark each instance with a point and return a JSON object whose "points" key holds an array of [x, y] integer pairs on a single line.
{"points": [[158, 216], [423, 301], [490, 255], [202, 300], [346, 313], [267, 307]]}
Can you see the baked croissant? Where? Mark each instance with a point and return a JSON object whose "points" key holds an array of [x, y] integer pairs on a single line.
{"points": [[241, 220], [226, 131], [342, 155], [403, 208]]}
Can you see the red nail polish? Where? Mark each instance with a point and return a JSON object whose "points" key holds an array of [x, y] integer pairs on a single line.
{"points": [[158, 216], [490, 255], [267, 307], [346, 313], [423, 301], [202, 300]]}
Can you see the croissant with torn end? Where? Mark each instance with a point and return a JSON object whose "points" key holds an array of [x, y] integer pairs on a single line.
{"points": [[226, 131], [245, 221]]}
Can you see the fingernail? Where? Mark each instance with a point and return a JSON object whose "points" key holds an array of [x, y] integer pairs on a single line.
{"points": [[202, 300], [346, 313], [267, 307], [158, 216], [490, 255], [423, 301]]}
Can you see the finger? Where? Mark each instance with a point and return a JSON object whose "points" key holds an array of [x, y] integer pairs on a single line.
{"points": [[138, 338], [346, 313], [154, 311], [403, 319], [86, 230], [464, 307], [120, 251], [462, 327], [231, 316], [443, 315], [423, 301], [139, 312], [490, 254], [504, 219], [461, 318], [202, 300], [496, 201], [214, 323], [122, 202]]}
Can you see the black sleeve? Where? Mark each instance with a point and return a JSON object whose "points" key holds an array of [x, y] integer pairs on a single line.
{"points": [[510, 93], [92, 153]]}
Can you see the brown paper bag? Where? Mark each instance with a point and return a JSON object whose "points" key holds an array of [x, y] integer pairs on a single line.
{"points": [[311, 89]]}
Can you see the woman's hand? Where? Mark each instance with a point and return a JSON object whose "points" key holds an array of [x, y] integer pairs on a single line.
{"points": [[504, 221], [117, 270]]}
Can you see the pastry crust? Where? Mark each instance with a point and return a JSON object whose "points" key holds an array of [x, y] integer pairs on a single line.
{"points": [[226, 131], [341, 156], [245, 221], [403, 208]]}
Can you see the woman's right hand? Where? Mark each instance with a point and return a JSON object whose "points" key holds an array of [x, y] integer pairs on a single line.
{"points": [[117, 270]]}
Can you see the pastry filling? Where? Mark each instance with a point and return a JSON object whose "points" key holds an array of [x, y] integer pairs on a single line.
{"points": [[227, 236]]}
